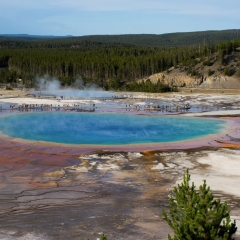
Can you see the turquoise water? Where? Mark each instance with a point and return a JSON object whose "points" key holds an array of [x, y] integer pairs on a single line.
{"points": [[110, 129]]}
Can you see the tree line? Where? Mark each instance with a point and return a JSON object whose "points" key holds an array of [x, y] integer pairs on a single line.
{"points": [[113, 66]]}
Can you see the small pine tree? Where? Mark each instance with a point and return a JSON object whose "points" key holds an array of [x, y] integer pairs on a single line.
{"points": [[238, 73], [103, 237], [227, 71], [210, 72], [197, 215]]}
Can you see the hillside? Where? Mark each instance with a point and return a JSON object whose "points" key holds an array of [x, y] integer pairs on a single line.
{"points": [[207, 74]]}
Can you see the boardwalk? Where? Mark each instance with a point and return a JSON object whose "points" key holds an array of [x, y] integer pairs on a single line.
{"points": [[47, 107], [155, 104]]}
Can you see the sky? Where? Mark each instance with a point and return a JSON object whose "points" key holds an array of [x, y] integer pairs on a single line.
{"points": [[98, 17]]}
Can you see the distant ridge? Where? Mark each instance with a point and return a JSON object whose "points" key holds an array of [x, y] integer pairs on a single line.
{"points": [[155, 40], [29, 37], [169, 39], [34, 36]]}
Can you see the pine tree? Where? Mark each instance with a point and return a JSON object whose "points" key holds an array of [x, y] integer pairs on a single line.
{"points": [[103, 237], [197, 215], [227, 71]]}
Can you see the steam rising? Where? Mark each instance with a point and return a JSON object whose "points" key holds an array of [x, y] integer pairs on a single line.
{"points": [[52, 86]]}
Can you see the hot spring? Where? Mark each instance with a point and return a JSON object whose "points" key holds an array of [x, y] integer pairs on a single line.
{"points": [[106, 129]]}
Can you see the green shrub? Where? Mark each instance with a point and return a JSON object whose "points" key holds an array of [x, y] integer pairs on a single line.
{"points": [[238, 73], [103, 237], [210, 72], [227, 71]]}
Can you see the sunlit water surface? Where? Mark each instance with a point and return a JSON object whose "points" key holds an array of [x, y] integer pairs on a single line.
{"points": [[109, 129]]}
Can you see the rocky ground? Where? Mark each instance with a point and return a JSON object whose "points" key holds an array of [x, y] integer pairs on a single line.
{"points": [[119, 193]]}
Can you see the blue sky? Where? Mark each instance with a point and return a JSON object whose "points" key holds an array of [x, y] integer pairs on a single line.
{"points": [[90, 17]]}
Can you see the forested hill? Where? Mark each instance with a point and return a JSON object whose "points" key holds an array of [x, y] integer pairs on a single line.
{"points": [[161, 40]]}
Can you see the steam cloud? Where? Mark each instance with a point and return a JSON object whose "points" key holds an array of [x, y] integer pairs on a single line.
{"points": [[52, 86]]}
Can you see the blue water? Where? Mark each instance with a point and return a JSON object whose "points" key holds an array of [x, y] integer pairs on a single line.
{"points": [[110, 129]]}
